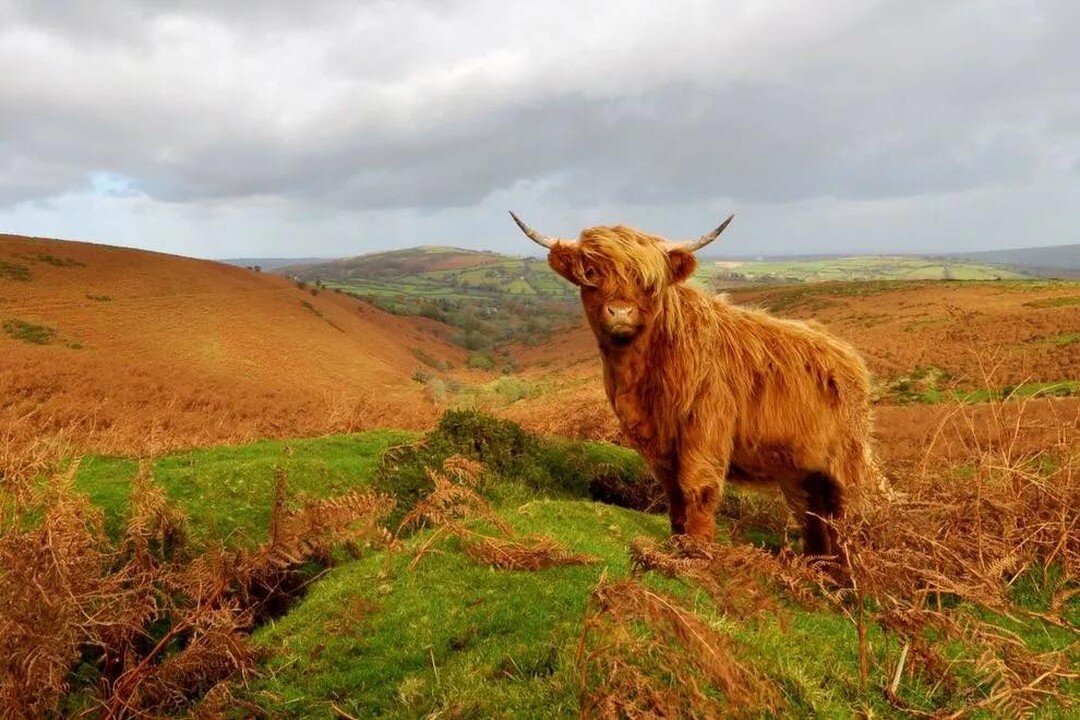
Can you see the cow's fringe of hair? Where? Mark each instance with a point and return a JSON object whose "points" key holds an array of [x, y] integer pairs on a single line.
{"points": [[629, 255]]}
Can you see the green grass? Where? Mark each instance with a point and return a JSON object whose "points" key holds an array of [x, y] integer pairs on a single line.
{"points": [[1063, 301], [448, 637], [1061, 388], [374, 634], [497, 393], [1061, 339], [858, 268], [227, 491], [29, 332], [930, 385]]}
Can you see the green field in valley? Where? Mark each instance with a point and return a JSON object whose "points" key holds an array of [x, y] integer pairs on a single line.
{"points": [[854, 268], [440, 273]]}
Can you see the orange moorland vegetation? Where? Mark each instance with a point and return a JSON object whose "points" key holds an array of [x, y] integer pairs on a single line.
{"points": [[957, 336], [127, 350], [142, 352]]}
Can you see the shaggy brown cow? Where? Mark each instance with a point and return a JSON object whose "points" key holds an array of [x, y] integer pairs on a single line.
{"points": [[706, 390]]}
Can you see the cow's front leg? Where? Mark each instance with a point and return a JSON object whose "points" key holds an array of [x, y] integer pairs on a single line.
{"points": [[702, 498], [702, 471], [668, 477]]}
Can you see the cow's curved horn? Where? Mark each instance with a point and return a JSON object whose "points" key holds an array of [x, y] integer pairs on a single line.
{"points": [[706, 238], [538, 238]]}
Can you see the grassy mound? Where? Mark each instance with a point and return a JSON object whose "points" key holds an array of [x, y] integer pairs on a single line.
{"points": [[517, 464], [383, 637]]}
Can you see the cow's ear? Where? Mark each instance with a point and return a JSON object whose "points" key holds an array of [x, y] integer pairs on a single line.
{"points": [[682, 264], [564, 260]]}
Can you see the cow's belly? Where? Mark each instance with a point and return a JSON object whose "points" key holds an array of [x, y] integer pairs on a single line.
{"points": [[764, 464]]}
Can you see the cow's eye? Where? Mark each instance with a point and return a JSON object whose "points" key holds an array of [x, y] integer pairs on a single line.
{"points": [[589, 274]]}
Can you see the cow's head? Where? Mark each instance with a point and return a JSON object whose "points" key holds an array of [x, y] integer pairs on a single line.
{"points": [[623, 274]]}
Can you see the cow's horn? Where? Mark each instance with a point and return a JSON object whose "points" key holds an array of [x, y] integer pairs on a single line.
{"points": [[706, 238], [545, 240]]}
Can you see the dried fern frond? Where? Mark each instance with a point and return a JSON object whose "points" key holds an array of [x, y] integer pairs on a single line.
{"points": [[531, 552], [742, 579], [643, 655]]}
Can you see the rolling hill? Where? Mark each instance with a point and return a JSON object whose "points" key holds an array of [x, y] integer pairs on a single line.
{"points": [[437, 272], [452, 273], [127, 350], [1054, 261], [854, 268]]}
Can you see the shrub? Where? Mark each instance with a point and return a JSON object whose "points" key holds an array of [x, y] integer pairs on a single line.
{"points": [[512, 389], [438, 391], [29, 332], [511, 458], [480, 361], [13, 271], [430, 361]]}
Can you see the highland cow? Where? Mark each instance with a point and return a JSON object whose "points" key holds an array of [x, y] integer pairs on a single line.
{"points": [[708, 391]]}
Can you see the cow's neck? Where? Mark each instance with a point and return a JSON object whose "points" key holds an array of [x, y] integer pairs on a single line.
{"points": [[634, 378], [643, 358]]}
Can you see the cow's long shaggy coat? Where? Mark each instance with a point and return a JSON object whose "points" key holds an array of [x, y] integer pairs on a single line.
{"points": [[707, 390]]}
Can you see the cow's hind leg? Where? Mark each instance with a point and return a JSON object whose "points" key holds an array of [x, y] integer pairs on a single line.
{"points": [[824, 503]]}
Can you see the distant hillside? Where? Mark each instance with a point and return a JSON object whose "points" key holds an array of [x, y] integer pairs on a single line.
{"points": [[271, 263], [134, 347], [855, 268], [1058, 260], [392, 263], [438, 272], [451, 273]]}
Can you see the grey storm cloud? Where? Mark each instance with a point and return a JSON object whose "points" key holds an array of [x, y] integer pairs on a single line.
{"points": [[425, 107]]}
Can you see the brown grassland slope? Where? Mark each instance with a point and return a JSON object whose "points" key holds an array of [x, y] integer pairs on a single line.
{"points": [[127, 350]]}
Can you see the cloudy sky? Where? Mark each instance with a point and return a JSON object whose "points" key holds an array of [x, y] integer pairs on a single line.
{"points": [[335, 128]]}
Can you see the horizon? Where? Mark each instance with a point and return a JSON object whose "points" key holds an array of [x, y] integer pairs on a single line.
{"points": [[707, 257], [851, 129]]}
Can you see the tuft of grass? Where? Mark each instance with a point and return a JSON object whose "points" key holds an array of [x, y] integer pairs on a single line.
{"points": [[1061, 301], [29, 332], [54, 260], [427, 359], [1060, 339], [14, 271], [314, 310]]}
